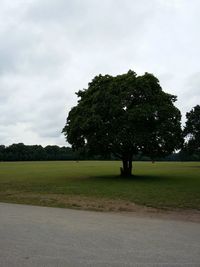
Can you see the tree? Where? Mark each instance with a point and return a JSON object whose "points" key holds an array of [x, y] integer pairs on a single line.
{"points": [[125, 115], [21, 152], [192, 132]]}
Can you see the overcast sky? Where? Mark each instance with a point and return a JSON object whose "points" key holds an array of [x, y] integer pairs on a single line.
{"points": [[49, 49]]}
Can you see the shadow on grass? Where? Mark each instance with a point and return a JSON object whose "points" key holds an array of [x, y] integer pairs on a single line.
{"points": [[196, 167], [134, 178]]}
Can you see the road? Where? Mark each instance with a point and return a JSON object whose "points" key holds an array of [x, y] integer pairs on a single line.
{"points": [[41, 236]]}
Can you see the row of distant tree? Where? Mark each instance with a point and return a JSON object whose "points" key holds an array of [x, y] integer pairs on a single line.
{"points": [[21, 152]]}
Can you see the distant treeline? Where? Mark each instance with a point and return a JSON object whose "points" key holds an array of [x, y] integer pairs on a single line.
{"points": [[21, 152]]}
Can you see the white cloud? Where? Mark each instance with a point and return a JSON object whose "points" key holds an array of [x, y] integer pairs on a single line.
{"points": [[50, 49]]}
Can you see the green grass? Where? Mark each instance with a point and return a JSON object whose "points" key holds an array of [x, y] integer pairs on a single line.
{"points": [[161, 185]]}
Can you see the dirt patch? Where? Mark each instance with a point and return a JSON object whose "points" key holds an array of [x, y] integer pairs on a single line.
{"points": [[99, 204]]}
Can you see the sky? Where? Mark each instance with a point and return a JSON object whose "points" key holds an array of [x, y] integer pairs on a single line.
{"points": [[50, 49]]}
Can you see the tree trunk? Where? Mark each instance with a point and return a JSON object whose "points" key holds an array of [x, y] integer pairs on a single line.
{"points": [[126, 170]]}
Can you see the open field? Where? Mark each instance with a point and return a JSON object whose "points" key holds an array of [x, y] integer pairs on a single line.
{"points": [[96, 184]]}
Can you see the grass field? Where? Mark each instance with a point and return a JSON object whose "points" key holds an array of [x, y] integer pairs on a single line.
{"points": [[161, 185]]}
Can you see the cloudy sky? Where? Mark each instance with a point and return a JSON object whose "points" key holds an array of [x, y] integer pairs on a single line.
{"points": [[49, 49]]}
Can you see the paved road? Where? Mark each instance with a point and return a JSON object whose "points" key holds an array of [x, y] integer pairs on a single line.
{"points": [[39, 236]]}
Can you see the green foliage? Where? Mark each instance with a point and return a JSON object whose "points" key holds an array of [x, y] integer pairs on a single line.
{"points": [[125, 115], [192, 133], [21, 152]]}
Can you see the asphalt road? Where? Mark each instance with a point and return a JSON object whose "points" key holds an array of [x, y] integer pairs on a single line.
{"points": [[39, 236]]}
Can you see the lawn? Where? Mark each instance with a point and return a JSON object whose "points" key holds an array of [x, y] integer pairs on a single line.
{"points": [[65, 183]]}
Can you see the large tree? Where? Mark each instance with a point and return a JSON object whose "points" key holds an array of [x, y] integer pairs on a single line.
{"points": [[125, 115], [192, 132]]}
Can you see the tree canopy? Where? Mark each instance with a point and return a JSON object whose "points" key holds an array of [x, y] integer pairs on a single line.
{"points": [[125, 115], [21, 152], [192, 132]]}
